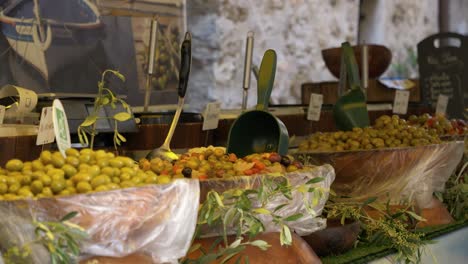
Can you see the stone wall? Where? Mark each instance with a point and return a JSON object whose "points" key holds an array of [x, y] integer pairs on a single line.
{"points": [[298, 30], [399, 25]]}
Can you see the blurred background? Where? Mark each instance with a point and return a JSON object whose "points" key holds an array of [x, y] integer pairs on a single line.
{"points": [[115, 35]]}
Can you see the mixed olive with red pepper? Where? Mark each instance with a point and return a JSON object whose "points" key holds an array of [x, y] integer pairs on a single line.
{"points": [[214, 162]]}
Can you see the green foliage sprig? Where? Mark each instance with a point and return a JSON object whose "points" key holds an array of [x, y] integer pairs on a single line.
{"points": [[61, 239], [105, 97], [393, 227], [455, 195], [238, 211]]}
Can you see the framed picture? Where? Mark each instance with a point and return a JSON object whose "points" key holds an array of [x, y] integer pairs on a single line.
{"points": [[63, 46]]}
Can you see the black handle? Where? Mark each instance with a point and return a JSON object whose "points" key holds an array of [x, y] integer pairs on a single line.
{"points": [[185, 64]]}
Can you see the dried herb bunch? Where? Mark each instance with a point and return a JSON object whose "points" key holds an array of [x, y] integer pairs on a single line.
{"points": [[238, 212], [388, 226]]}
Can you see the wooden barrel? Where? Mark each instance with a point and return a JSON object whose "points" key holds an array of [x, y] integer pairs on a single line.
{"points": [[18, 142]]}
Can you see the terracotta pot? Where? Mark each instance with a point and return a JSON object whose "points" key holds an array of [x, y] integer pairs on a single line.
{"points": [[335, 239], [298, 253], [131, 259]]}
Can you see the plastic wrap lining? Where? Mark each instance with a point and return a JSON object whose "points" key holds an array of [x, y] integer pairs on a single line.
{"points": [[157, 220], [399, 174], [305, 225]]}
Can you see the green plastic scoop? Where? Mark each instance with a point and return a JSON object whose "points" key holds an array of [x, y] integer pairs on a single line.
{"points": [[259, 131], [350, 110]]}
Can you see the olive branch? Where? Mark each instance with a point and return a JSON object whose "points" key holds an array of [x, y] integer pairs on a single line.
{"points": [[105, 97], [61, 239], [239, 211]]}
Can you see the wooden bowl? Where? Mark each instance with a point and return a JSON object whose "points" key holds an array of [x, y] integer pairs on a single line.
{"points": [[379, 59], [392, 171], [335, 239], [298, 253]]}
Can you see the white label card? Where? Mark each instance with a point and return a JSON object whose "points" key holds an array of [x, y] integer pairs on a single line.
{"points": [[315, 107], [46, 132], [211, 116], [442, 102], [400, 105], [61, 130], [2, 113]]}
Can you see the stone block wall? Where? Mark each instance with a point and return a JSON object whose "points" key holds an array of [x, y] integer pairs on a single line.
{"points": [[298, 30]]}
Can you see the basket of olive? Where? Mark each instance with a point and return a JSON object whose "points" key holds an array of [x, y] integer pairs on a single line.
{"points": [[391, 159], [124, 209]]}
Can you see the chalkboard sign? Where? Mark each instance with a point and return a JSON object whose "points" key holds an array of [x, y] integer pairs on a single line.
{"points": [[443, 69]]}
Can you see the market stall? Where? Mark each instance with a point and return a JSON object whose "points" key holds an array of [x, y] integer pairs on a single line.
{"points": [[366, 169]]}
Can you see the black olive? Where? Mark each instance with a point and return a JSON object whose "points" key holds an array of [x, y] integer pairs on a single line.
{"points": [[187, 172], [285, 161]]}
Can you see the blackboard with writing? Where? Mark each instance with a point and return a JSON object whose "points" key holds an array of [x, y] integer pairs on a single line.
{"points": [[443, 69]]}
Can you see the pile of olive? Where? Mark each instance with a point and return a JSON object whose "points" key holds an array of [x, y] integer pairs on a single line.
{"points": [[214, 162], [81, 171], [387, 132], [439, 124], [164, 61]]}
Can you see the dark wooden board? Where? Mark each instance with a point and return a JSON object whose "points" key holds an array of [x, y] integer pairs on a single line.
{"points": [[444, 70]]}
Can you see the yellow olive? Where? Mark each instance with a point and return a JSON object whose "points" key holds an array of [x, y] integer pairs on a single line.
{"points": [[71, 152], [14, 165], [46, 157], [83, 187]]}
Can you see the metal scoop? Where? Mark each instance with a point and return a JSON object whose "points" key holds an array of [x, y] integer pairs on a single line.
{"points": [[164, 152]]}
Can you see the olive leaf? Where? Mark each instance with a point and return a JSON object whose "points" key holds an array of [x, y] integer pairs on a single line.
{"points": [[263, 245], [262, 211], [89, 120], [285, 236], [122, 116]]}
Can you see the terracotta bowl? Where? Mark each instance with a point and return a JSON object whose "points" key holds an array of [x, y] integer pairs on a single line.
{"points": [[298, 253], [335, 239], [379, 59]]}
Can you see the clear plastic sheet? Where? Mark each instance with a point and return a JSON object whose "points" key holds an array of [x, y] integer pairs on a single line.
{"points": [[304, 226], [399, 174], [16, 228], [157, 220]]}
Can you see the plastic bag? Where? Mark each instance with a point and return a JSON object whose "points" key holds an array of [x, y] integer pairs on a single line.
{"points": [[305, 225], [158, 220], [399, 174], [16, 229]]}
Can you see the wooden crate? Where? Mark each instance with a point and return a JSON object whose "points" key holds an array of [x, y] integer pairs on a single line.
{"points": [[376, 92]]}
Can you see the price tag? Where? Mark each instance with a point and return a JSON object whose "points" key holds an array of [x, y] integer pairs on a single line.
{"points": [[61, 130], [46, 132], [211, 116], [400, 105], [315, 107], [2, 113], [442, 102]]}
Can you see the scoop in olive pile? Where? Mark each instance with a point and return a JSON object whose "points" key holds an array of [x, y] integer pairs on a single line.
{"points": [[387, 132], [439, 124], [80, 172], [214, 162]]}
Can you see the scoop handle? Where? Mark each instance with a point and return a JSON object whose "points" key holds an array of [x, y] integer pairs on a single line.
{"points": [[266, 78], [351, 66], [185, 64]]}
